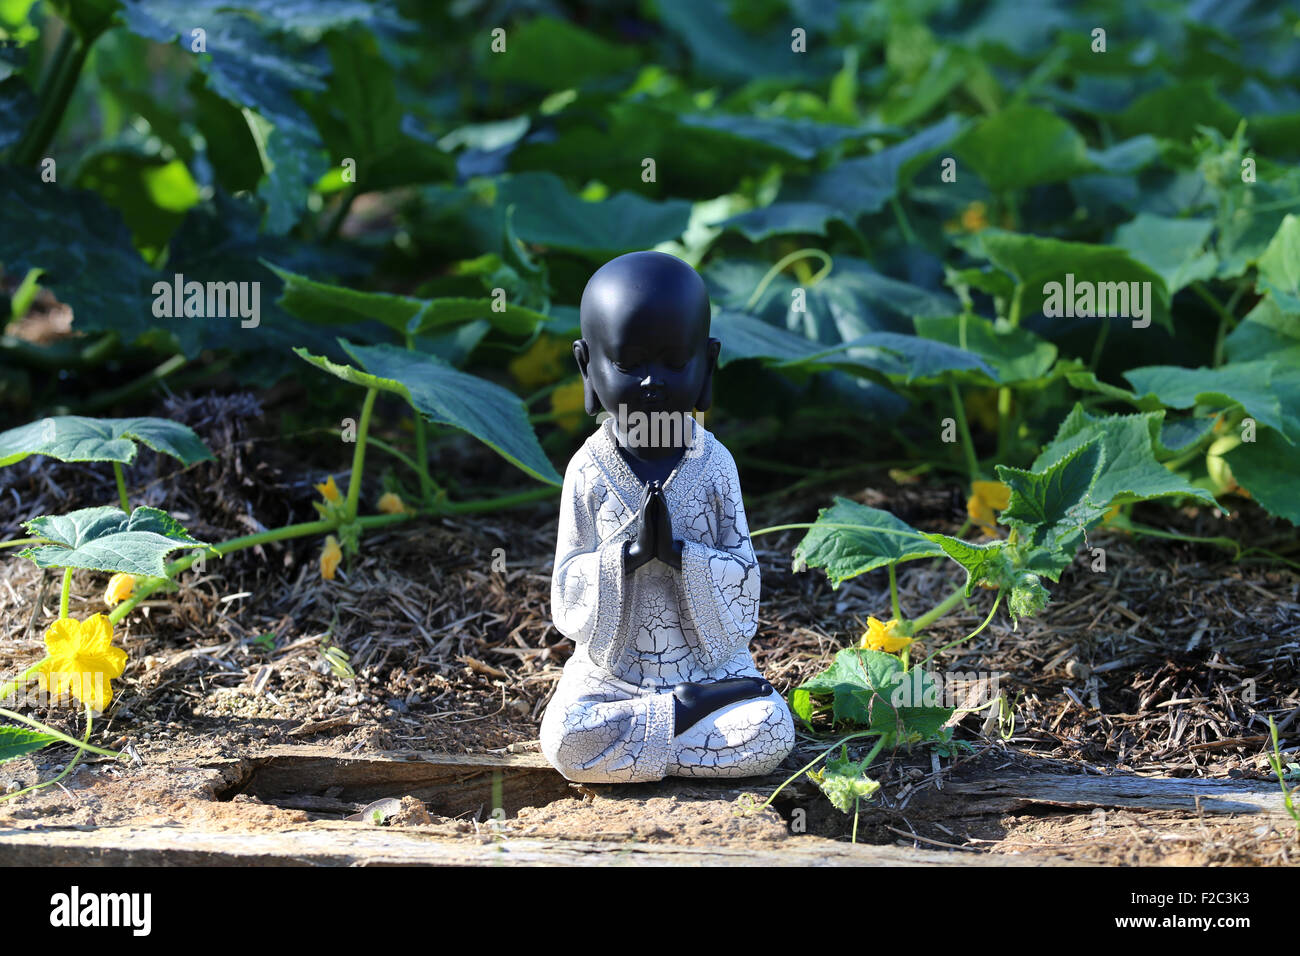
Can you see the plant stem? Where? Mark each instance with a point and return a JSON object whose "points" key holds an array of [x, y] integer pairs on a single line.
{"points": [[63, 597], [967, 444], [19, 542], [147, 586], [504, 501], [1099, 344], [57, 733], [56, 89], [904, 226], [938, 611], [962, 640], [21, 679], [105, 399], [121, 487], [395, 452], [422, 459], [784, 261], [359, 454], [340, 214], [893, 594], [66, 770], [1004, 421], [818, 759]]}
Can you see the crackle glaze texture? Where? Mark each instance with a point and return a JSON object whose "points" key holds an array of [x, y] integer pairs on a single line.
{"points": [[611, 719]]}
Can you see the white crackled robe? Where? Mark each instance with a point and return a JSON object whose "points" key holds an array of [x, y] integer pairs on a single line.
{"points": [[611, 719]]}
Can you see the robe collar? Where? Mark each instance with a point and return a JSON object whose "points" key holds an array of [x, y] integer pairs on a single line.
{"points": [[603, 448]]}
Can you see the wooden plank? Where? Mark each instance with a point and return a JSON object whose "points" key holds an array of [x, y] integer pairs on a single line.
{"points": [[1190, 795], [339, 844]]}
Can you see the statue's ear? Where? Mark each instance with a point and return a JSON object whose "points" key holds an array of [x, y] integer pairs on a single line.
{"points": [[582, 356], [706, 393]]}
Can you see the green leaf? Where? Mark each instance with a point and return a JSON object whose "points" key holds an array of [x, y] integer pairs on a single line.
{"points": [[106, 539], [745, 337], [1046, 505], [1024, 146], [907, 357], [76, 438], [1016, 355], [547, 213], [870, 690], [1279, 266], [984, 563], [720, 49], [326, 304], [800, 138], [845, 782], [865, 184], [554, 54], [1267, 468], [1248, 384], [849, 539], [1130, 471], [152, 193], [1035, 262], [1174, 248], [447, 396], [19, 741], [782, 219], [85, 249], [1266, 332]]}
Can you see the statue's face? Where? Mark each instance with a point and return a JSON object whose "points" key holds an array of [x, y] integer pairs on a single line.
{"points": [[646, 345]]}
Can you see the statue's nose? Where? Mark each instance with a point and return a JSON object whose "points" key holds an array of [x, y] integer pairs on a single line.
{"points": [[652, 381]]}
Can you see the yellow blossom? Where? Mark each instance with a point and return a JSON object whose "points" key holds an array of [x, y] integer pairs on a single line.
{"points": [[82, 659], [982, 408], [567, 405], [987, 497], [548, 359], [883, 636], [975, 217], [330, 558], [330, 491], [119, 588], [391, 504]]}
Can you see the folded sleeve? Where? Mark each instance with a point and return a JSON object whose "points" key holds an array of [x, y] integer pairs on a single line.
{"points": [[720, 575]]}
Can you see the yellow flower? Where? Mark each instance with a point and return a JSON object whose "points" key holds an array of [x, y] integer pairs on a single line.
{"points": [[330, 558], [567, 404], [82, 659], [982, 408], [391, 504], [883, 636], [548, 359], [330, 491], [987, 497], [119, 588], [975, 217]]}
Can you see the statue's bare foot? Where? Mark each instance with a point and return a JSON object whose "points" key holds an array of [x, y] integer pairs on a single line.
{"points": [[692, 702]]}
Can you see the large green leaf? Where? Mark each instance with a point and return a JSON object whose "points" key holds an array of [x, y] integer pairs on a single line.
{"points": [[800, 138], [910, 358], [783, 218], [76, 438], [83, 247], [107, 539], [1023, 146], [870, 690], [547, 213], [19, 741], [721, 49], [1016, 355], [553, 54], [849, 539], [448, 396], [1051, 504], [1130, 471], [1174, 248], [1035, 262], [986, 562], [1266, 332], [1269, 469], [865, 184], [1279, 266], [1248, 384], [326, 304], [745, 337]]}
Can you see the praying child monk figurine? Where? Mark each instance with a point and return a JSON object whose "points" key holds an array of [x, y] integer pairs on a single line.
{"points": [[655, 577]]}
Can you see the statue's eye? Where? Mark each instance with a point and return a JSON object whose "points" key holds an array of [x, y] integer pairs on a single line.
{"points": [[624, 368]]}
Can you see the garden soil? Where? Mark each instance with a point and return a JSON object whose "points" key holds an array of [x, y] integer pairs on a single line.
{"points": [[1140, 697]]}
